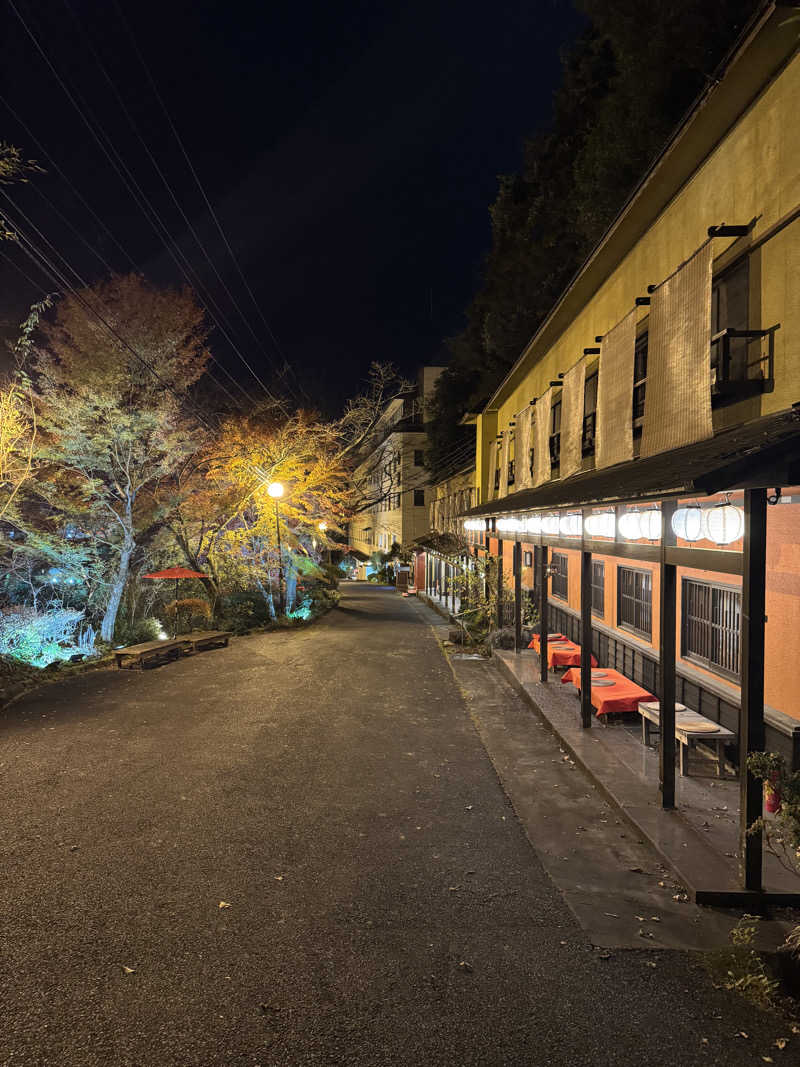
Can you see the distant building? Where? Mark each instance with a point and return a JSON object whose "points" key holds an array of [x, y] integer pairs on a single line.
{"points": [[391, 480]]}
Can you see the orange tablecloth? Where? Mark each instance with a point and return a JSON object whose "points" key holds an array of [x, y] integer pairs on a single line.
{"points": [[535, 640], [624, 695], [561, 657]]}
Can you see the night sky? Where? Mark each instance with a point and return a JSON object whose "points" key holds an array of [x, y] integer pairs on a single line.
{"points": [[350, 150]]}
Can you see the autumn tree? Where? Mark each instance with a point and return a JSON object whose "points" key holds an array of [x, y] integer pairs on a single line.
{"points": [[306, 456], [17, 438], [114, 411]]}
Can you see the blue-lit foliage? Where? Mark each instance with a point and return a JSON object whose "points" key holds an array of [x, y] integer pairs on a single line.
{"points": [[43, 637]]}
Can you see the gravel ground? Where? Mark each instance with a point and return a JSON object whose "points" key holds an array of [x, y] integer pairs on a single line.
{"points": [[385, 906]]}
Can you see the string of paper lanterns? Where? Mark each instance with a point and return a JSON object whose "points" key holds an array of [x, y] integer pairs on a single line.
{"points": [[723, 524]]}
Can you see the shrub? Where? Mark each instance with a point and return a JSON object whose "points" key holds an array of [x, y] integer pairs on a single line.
{"points": [[39, 637], [189, 614], [137, 631]]}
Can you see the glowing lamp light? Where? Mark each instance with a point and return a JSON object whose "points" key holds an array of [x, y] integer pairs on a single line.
{"points": [[323, 526], [550, 525], [509, 525], [630, 525], [601, 525], [275, 490], [650, 524], [534, 524], [725, 523], [162, 635], [687, 523], [570, 525]]}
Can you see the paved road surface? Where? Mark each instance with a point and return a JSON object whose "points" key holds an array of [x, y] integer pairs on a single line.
{"points": [[385, 905]]}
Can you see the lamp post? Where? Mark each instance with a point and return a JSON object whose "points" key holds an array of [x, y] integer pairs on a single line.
{"points": [[275, 490], [323, 526]]}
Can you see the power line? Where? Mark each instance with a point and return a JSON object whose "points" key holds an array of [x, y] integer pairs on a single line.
{"points": [[38, 257], [137, 194], [85, 285], [202, 190], [158, 169]]}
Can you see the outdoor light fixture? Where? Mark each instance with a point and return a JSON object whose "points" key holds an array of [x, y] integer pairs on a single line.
{"points": [[533, 524], [725, 523], [687, 523], [275, 490], [510, 525], [650, 524], [570, 525], [630, 525], [323, 526], [550, 525], [600, 525], [473, 524]]}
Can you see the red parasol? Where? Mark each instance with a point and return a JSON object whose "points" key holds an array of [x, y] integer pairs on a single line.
{"points": [[177, 573]]}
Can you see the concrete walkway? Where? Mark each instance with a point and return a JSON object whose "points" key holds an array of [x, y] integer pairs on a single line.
{"points": [[385, 908]]}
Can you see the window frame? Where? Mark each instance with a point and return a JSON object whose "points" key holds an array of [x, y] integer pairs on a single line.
{"points": [[640, 383], [601, 610], [417, 494], [706, 662], [631, 627], [563, 561], [589, 424]]}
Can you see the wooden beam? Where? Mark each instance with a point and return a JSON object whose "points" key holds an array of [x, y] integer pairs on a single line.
{"points": [[751, 722], [667, 605], [543, 612], [586, 640]]}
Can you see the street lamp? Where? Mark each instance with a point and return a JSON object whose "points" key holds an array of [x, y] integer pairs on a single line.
{"points": [[275, 490]]}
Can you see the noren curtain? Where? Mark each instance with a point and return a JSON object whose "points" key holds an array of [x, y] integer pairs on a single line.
{"points": [[544, 407], [614, 419], [572, 420], [677, 408]]}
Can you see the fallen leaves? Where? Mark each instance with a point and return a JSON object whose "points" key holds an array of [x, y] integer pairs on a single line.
{"points": [[224, 904], [465, 966], [127, 970]]}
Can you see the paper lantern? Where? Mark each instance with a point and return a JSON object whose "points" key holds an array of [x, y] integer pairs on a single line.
{"points": [[687, 523], [650, 524], [601, 525], [630, 525], [725, 523], [550, 525], [570, 525], [534, 524]]}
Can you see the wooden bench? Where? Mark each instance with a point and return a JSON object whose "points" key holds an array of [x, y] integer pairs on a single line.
{"points": [[149, 652], [690, 728], [205, 639]]}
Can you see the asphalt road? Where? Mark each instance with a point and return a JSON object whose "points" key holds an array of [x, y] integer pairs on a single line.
{"points": [[385, 908]]}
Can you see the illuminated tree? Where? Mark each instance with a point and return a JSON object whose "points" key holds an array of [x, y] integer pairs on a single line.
{"points": [[113, 429], [17, 439], [306, 457]]}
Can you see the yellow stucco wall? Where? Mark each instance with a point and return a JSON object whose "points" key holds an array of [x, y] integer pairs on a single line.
{"points": [[753, 172]]}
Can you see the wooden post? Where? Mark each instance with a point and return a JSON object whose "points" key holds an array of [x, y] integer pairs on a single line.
{"points": [[499, 585], [453, 588], [751, 722], [669, 585], [517, 596], [586, 640], [543, 612]]}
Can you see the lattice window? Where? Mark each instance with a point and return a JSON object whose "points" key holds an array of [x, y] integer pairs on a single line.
{"points": [[598, 586], [711, 624], [635, 601], [559, 568]]}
